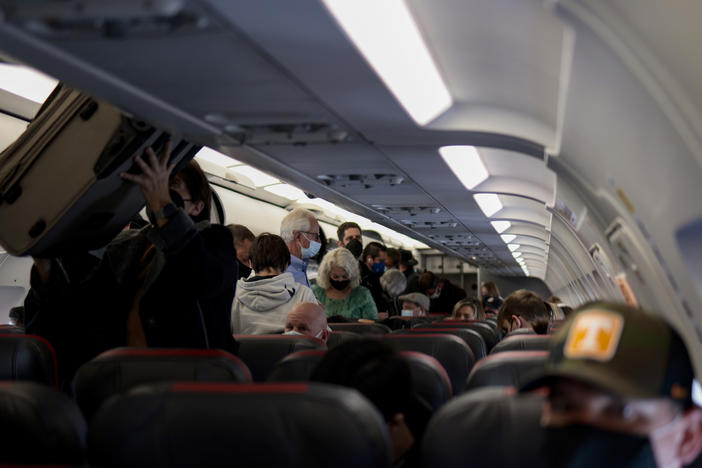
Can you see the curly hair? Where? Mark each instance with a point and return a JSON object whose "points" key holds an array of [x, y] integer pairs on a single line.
{"points": [[338, 258]]}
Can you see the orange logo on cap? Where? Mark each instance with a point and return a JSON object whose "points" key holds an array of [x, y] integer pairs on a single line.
{"points": [[594, 335]]}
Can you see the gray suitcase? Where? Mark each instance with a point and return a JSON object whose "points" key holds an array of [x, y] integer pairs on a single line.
{"points": [[60, 189]]}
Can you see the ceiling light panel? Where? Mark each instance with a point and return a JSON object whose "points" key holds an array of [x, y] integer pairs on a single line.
{"points": [[26, 82], [388, 38], [501, 226], [507, 238], [465, 163], [489, 203], [513, 247]]}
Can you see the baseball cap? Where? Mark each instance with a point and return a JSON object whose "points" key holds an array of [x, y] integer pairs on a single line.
{"points": [[406, 258], [418, 298], [623, 351], [492, 302]]}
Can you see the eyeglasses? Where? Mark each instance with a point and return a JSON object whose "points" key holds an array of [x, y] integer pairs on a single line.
{"points": [[314, 234]]}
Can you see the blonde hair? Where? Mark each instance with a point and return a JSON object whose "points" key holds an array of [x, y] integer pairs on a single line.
{"points": [[341, 258]]}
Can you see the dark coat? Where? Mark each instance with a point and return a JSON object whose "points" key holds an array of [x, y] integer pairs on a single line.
{"points": [[450, 294], [186, 295], [371, 280]]}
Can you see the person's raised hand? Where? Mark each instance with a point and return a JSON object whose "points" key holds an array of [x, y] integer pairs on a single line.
{"points": [[154, 180]]}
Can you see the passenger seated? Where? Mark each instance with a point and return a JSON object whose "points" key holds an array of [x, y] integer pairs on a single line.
{"points": [[523, 309], [262, 302], [383, 376], [393, 283], [619, 385], [468, 309], [170, 284], [308, 318], [243, 238], [414, 305], [339, 288]]}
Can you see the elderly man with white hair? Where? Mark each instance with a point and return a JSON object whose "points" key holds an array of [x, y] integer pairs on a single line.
{"points": [[300, 231]]}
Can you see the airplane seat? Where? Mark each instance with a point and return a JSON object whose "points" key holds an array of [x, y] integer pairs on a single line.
{"points": [[429, 378], [28, 357], [217, 424], [11, 329], [296, 367], [119, 370], [397, 322], [521, 331], [40, 426], [520, 342], [471, 337], [509, 368], [488, 426], [361, 328], [451, 352], [338, 337], [485, 329], [262, 352]]}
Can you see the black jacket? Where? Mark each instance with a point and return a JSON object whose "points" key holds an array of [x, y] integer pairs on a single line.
{"points": [[371, 280], [186, 295]]}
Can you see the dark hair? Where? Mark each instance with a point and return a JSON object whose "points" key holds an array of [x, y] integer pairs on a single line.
{"points": [[472, 302], [196, 182], [528, 306], [269, 251], [372, 250], [372, 367], [492, 290], [393, 255], [343, 227], [428, 280], [241, 233]]}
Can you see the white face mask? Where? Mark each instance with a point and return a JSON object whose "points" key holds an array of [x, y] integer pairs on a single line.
{"points": [[407, 313], [436, 294], [292, 332]]}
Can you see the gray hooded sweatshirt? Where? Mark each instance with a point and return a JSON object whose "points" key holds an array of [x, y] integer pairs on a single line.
{"points": [[261, 306]]}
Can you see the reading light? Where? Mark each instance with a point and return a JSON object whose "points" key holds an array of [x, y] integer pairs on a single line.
{"points": [[512, 247], [507, 238], [465, 163], [501, 226], [26, 82], [489, 203], [286, 191], [388, 38]]}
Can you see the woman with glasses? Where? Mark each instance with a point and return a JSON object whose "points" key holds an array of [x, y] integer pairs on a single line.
{"points": [[339, 287]]}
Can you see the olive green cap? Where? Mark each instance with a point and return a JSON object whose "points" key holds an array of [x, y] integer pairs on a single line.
{"points": [[623, 351]]}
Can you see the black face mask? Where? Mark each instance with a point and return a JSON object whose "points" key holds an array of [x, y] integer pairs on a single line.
{"points": [[585, 447], [243, 271], [340, 285], [355, 247]]}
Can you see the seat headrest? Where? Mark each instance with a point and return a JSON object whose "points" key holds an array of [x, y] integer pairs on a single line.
{"points": [[429, 378], [121, 369], [11, 329], [40, 425], [473, 339], [509, 368], [27, 357], [338, 337], [196, 424], [452, 353], [361, 328], [296, 367], [486, 329], [488, 427], [523, 343], [262, 352]]}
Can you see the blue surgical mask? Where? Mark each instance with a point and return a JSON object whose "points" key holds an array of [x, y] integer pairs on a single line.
{"points": [[292, 332], [311, 251], [407, 313], [378, 267]]}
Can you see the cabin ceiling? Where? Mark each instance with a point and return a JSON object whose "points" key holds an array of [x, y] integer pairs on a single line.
{"points": [[241, 75]]}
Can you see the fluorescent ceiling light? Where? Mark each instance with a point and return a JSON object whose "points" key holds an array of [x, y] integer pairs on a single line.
{"points": [[513, 247], [501, 226], [286, 191], [210, 155], [260, 179], [516, 254], [388, 38], [26, 82], [465, 163], [507, 238], [489, 203]]}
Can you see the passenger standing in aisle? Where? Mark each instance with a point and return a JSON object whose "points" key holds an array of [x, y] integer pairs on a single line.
{"points": [[300, 231]]}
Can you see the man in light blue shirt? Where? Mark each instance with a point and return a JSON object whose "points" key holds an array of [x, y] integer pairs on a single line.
{"points": [[300, 231]]}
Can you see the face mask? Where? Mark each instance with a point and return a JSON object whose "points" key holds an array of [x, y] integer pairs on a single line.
{"points": [[407, 313], [339, 285], [355, 247], [243, 270], [584, 447], [436, 294], [311, 251], [292, 332], [378, 267]]}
